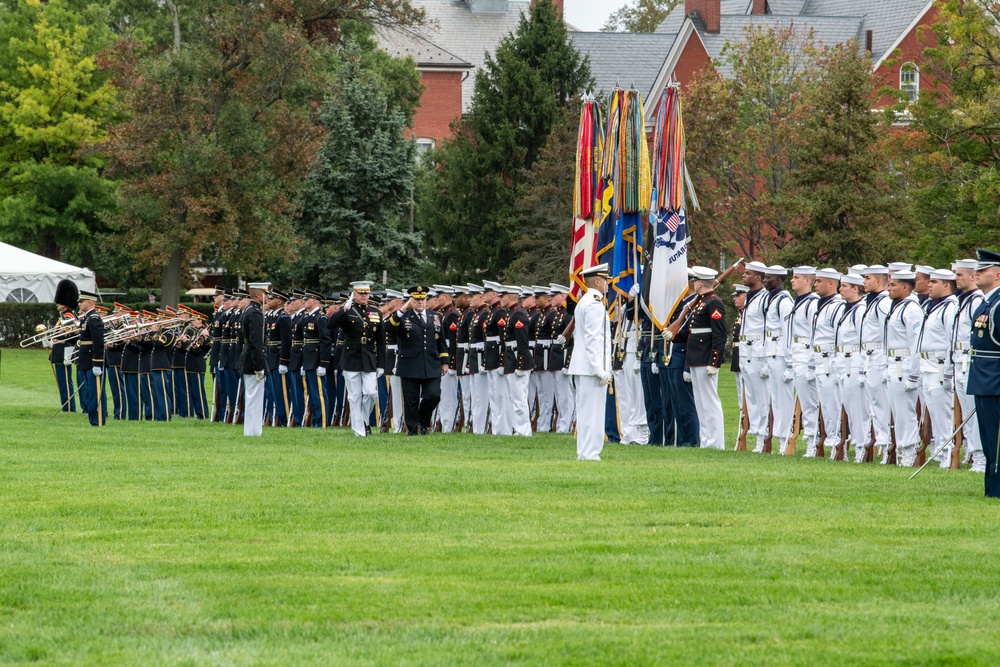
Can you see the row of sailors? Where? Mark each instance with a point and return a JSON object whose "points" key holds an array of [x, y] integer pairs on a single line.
{"points": [[867, 345], [333, 360]]}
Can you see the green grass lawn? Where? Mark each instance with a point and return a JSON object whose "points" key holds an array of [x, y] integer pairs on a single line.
{"points": [[187, 544]]}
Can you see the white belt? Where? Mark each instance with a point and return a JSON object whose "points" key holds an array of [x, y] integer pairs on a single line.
{"points": [[531, 343], [749, 338], [701, 330], [545, 343], [824, 349], [392, 347], [493, 339], [939, 356], [805, 340], [898, 354], [871, 346], [476, 346], [463, 346], [511, 344], [962, 347], [773, 335], [848, 349]]}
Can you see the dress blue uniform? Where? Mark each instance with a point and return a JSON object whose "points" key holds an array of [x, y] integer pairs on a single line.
{"points": [[984, 375], [89, 358], [672, 362]]}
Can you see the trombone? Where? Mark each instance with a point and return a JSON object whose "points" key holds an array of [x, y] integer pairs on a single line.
{"points": [[49, 335]]}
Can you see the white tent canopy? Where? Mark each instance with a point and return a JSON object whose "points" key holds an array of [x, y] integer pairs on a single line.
{"points": [[25, 276]]}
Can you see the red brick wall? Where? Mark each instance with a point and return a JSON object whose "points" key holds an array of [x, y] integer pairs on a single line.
{"points": [[694, 58], [710, 11], [910, 51], [758, 7], [440, 104]]}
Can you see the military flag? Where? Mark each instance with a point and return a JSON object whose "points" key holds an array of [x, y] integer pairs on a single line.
{"points": [[587, 196]]}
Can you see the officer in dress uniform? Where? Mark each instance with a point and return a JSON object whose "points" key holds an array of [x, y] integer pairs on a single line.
{"points": [[984, 370], [279, 349], [161, 369], [215, 330], [874, 378], [777, 313], [450, 317], [224, 409], [822, 370], [798, 345], [422, 359], [113, 353], [178, 382], [559, 361], [316, 350], [297, 312], [969, 299], [253, 358], [130, 374], [363, 357], [197, 346], [902, 333], [937, 372], [542, 376], [706, 352], [90, 360], [753, 358], [238, 396], [850, 362], [478, 378], [628, 383], [675, 379], [591, 365], [518, 361], [463, 299], [394, 302], [492, 357]]}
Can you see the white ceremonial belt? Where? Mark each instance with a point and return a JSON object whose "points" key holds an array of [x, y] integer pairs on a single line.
{"points": [[824, 349], [871, 346], [545, 343], [962, 347], [702, 330], [392, 347], [750, 338], [802, 339], [898, 354], [511, 344], [531, 343], [463, 346], [493, 339], [939, 356], [986, 354], [476, 346]]}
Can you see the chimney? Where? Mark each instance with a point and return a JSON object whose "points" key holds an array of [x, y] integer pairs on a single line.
{"points": [[706, 11], [759, 7], [558, 4], [868, 41]]}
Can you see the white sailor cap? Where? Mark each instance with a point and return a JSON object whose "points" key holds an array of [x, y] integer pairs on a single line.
{"points": [[965, 264], [904, 275], [261, 285], [776, 270], [804, 271], [858, 269], [943, 274], [475, 289], [362, 286], [703, 272], [559, 289], [832, 274], [900, 266], [876, 270], [759, 267], [444, 289], [599, 271], [852, 279], [924, 269], [740, 288], [491, 286]]}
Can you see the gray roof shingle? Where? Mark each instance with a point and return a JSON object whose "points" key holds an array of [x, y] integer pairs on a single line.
{"points": [[786, 7], [627, 59], [402, 43], [887, 19], [672, 24]]}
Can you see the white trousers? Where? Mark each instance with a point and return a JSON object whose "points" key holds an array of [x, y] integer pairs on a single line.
{"points": [[970, 432], [827, 387], [362, 392], [517, 391], [480, 402], [855, 401], [712, 425], [940, 405], [396, 395], [565, 402], [546, 398], [782, 401], [591, 396], [253, 405], [448, 407], [758, 395], [878, 398], [903, 404], [499, 404], [631, 404], [805, 389], [465, 383]]}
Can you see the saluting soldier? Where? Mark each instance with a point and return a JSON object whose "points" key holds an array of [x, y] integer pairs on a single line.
{"points": [[823, 370], [937, 373], [706, 352], [90, 360], [969, 300], [450, 317], [422, 359], [316, 350], [984, 371], [363, 358]]}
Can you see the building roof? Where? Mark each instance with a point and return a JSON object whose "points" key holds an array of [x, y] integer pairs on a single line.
{"points": [[672, 23], [403, 42], [453, 27], [623, 59]]}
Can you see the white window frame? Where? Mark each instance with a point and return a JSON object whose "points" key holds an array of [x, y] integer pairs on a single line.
{"points": [[911, 88]]}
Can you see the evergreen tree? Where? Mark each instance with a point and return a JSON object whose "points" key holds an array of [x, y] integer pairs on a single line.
{"points": [[468, 195], [848, 196], [352, 222]]}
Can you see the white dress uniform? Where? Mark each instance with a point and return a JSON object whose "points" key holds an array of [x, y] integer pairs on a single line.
{"points": [[590, 366], [753, 366], [851, 366], [778, 312], [825, 371], [902, 333], [937, 372], [628, 392], [798, 338], [968, 302], [876, 308]]}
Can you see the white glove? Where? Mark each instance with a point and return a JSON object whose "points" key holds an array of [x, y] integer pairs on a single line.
{"points": [[686, 375], [564, 371], [349, 302], [46, 344], [604, 377], [482, 371], [712, 370], [560, 340], [302, 372], [789, 375], [668, 335], [282, 369], [68, 357], [654, 369], [321, 372], [764, 373], [380, 372], [500, 370], [861, 379], [520, 373], [635, 290], [98, 371], [911, 383], [259, 375], [452, 372]]}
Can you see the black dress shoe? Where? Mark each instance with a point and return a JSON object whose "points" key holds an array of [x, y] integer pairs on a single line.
{"points": [[424, 430], [368, 430]]}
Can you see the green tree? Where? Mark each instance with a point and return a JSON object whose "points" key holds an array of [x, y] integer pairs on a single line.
{"points": [[54, 106], [639, 16], [352, 222], [467, 198], [849, 198]]}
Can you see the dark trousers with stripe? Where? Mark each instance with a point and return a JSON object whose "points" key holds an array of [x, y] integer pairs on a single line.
{"points": [[116, 385], [197, 398], [682, 410], [161, 382], [146, 395], [383, 398], [654, 403], [988, 415], [298, 398], [318, 401], [282, 397], [182, 403], [67, 390], [232, 392], [131, 382], [92, 398]]}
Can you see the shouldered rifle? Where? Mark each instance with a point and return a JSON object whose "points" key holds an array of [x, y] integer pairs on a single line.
{"points": [[674, 327]]}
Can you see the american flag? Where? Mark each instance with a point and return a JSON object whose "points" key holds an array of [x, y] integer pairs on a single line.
{"points": [[672, 221]]}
